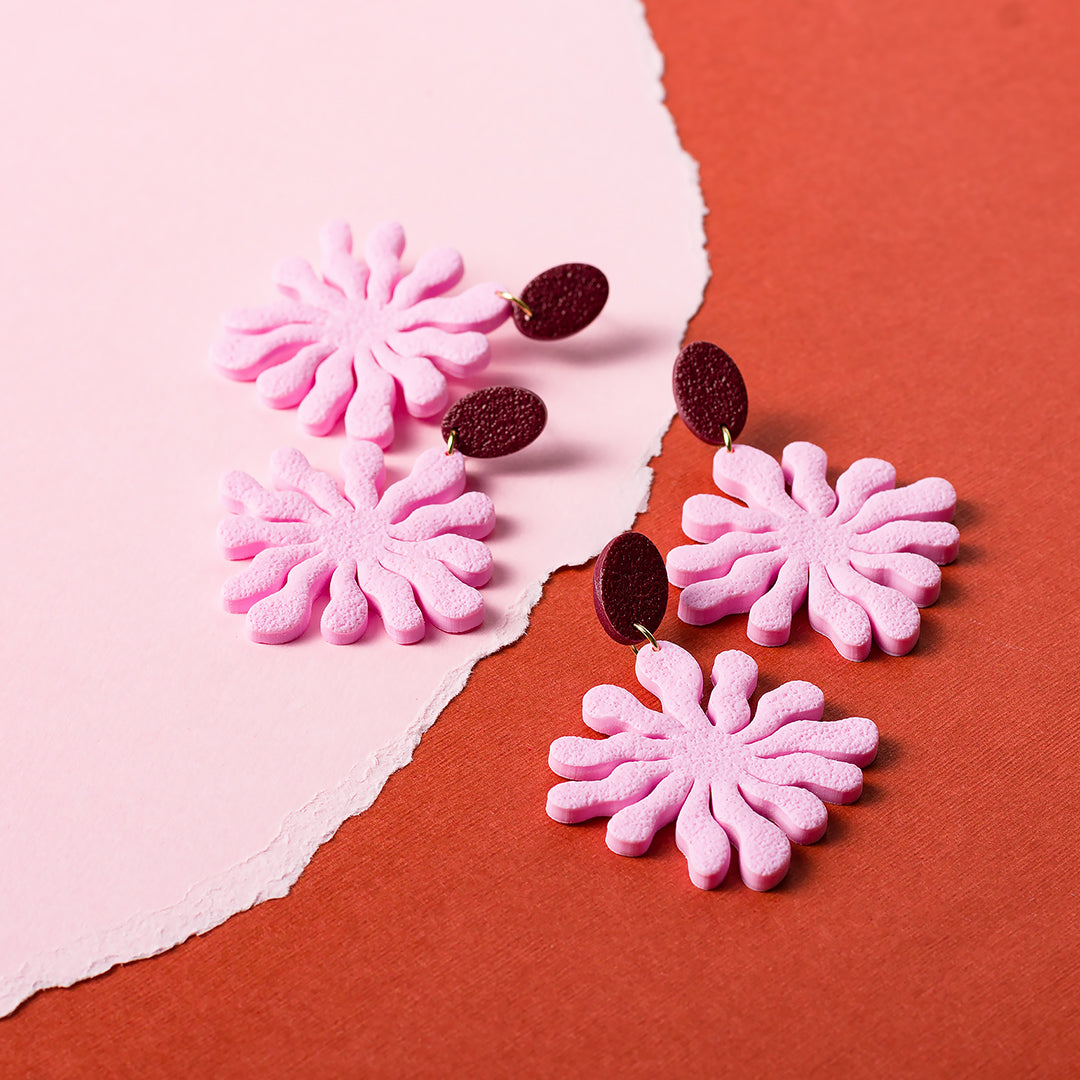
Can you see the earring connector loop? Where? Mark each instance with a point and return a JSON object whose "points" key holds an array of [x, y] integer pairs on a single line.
{"points": [[517, 302], [648, 635]]}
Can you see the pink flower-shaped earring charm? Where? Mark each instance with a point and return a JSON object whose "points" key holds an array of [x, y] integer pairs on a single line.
{"points": [[343, 343]]}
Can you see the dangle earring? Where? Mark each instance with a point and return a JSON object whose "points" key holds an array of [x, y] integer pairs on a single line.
{"points": [[864, 557], [722, 776], [414, 552], [345, 343]]}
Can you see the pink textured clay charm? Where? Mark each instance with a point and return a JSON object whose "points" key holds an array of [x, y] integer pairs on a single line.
{"points": [[345, 343], [722, 777], [865, 557], [412, 554], [494, 421], [560, 301], [709, 392], [630, 587]]}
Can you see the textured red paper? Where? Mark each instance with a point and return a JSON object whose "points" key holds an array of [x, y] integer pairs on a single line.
{"points": [[894, 207]]}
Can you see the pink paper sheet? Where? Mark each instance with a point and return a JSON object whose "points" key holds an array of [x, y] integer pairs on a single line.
{"points": [[158, 772]]}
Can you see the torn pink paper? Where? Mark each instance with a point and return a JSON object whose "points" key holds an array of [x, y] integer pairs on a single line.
{"points": [[159, 771]]}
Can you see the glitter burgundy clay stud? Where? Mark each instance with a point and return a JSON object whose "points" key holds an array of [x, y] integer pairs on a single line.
{"points": [[560, 301], [630, 588]]}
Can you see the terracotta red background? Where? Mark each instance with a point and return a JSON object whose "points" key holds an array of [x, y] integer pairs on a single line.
{"points": [[894, 225]]}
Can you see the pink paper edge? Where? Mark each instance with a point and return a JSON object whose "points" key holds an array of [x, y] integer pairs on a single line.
{"points": [[271, 872]]}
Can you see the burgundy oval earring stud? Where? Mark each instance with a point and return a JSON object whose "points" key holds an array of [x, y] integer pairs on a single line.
{"points": [[559, 302]]}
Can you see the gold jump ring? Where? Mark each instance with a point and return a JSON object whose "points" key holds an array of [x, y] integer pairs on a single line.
{"points": [[648, 635], [517, 301]]}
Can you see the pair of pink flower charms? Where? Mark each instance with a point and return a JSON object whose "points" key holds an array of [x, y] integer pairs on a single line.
{"points": [[345, 346], [864, 557]]}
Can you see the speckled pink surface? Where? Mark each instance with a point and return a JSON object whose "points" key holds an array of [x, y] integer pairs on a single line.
{"points": [[864, 557], [158, 770]]}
